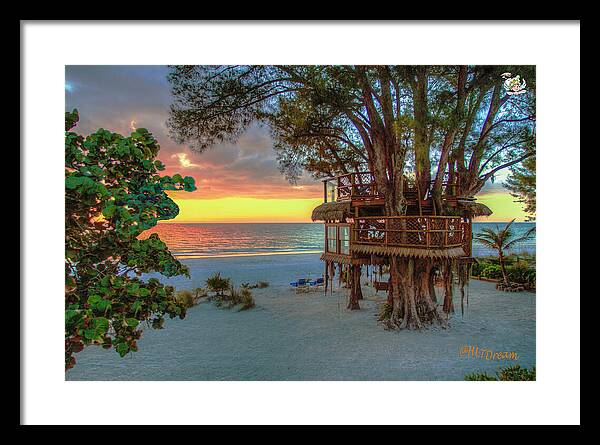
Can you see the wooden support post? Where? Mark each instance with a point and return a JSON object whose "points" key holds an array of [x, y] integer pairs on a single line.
{"points": [[325, 191]]}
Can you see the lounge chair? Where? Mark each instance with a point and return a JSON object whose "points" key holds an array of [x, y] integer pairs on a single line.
{"points": [[302, 285], [319, 283]]}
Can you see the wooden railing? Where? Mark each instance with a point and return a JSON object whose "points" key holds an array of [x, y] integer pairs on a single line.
{"points": [[427, 232], [362, 186]]}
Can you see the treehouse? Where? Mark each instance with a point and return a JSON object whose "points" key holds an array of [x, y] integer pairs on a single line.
{"points": [[358, 233]]}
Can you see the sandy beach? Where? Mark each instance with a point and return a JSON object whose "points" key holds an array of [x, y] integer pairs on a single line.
{"points": [[311, 336]]}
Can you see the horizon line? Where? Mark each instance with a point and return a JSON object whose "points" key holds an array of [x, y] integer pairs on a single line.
{"points": [[296, 222]]}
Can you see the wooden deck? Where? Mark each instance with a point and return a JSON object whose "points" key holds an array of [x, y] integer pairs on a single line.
{"points": [[432, 233], [360, 188], [439, 232]]}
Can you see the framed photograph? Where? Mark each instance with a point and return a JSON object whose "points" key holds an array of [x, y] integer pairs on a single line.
{"points": [[263, 218]]}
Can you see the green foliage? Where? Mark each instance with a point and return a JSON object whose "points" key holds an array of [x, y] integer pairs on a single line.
{"points": [[113, 193], [522, 273], [520, 270], [246, 299], [510, 373], [322, 116], [218, 284], [227, 296], [189, 298], [242, 297], [515, 372], [522, 182], [479, 377], [476, 268], [486, 269], [491, 271], [501, 240]]}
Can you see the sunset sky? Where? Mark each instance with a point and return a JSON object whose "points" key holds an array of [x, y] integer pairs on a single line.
{"points": [[236, 182]]}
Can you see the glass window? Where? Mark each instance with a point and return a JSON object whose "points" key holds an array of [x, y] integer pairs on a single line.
{"points": [[345, 240], [332, 239]]}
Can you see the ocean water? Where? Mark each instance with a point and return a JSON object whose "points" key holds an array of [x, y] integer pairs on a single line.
{"points": [[222, 240]]}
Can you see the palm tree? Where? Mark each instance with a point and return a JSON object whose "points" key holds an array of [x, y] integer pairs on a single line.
{"points": [[501, 240]]}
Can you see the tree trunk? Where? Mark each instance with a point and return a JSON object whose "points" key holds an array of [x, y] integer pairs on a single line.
{"points": [[395, 291], [354, 288], [503, 267], [431, 285], [447, 278], [359, 294]]}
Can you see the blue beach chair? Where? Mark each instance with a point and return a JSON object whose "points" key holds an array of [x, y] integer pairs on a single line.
{"points": [[302, 285], [317, 284]]}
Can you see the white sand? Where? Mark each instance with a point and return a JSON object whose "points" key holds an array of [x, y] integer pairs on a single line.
{"points": [[291, 336]]}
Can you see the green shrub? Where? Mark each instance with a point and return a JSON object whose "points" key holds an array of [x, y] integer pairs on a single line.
{"points": [[520, 269], [246, 299], [189, 298], [236, 297], [233, 297], [479, 377], [185, 297], [521, 273], [516, 373], [476, 268], [491, 271], [510, 373], [218, 284]]}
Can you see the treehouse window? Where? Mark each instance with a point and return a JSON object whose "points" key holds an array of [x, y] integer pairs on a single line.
{"points": [[332, 239], [345, 240]]}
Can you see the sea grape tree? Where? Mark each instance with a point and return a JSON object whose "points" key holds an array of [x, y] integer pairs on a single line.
{"points": [[419, 122], [113, 192]]}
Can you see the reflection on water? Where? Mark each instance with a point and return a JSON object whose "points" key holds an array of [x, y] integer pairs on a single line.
{"points": [[201, 240], [218, 240]]}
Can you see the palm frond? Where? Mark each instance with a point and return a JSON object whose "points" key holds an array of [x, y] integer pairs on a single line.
{"points": [[488, 233], [486, 242], [525, 237]]}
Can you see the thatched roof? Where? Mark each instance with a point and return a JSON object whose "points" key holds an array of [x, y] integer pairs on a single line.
{"points": [[476, 208], [343, 259], [329, 211], [370, 249]]}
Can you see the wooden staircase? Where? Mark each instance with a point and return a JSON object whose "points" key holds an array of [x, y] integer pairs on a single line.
{"points": [[413, 208]]}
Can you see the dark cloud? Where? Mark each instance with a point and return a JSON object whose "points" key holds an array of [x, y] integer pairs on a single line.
{"points": [[117, 97]]}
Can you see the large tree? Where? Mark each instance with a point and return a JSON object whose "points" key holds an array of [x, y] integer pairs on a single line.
{"points": [[427, 121]]}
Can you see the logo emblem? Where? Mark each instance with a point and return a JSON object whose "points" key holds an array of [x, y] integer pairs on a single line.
{"points": [[514, 85]]}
